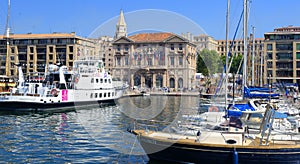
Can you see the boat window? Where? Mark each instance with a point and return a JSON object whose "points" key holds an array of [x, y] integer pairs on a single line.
{"points": [[108, 94], [101, 80], [100, 95], [104, 94], [92, 80], [109, 81], [105, 80], [96, 95], [91, 95], [97, 80], [112, 94]]}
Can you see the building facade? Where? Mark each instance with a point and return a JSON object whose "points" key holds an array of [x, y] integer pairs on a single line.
{"points": [[256, 47], [104, 49], [35, 51], [155, 60], [282, 54]]}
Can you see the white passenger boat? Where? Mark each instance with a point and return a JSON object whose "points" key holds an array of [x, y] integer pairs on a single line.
{"points": [[87, 84]]}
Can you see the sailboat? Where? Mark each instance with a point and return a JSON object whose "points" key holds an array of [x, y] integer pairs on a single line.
{"points": [[223, 147]]}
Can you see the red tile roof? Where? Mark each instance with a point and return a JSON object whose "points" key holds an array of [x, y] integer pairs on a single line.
{"points": [[151, 37]]}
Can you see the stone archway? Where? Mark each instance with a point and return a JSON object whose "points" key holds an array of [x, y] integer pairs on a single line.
{"points": [[159, 81], [137, 80]]}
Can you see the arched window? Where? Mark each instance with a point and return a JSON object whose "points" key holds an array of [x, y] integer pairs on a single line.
{"points": [[180, 83], [159, 81], [172, 83]]}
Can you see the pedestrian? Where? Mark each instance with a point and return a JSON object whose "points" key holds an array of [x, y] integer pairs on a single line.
{"points": [[198, 136]]}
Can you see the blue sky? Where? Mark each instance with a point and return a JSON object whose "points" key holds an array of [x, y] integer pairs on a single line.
{"points": [[86, 16]]}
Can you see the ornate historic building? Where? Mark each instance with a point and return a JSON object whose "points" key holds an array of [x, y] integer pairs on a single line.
{"points": [[155, 60]]}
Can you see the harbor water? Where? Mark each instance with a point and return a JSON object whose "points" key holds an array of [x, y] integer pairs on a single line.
{"points": [[90, 134]]}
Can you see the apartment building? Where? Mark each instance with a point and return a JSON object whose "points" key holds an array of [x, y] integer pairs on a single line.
{"points": [[36, 51], [282, 54]]}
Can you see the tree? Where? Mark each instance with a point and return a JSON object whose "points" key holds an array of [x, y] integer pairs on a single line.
{"points": [[235, 63], [201, 67], [208, 62]]}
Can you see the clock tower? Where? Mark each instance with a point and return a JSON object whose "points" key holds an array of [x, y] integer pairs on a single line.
{"points": [[121, 26]]}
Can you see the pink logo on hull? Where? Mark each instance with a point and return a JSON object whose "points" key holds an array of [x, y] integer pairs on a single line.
{"points": [[64, 95]]}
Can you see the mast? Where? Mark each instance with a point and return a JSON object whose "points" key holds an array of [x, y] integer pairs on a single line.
{"points": [[245, 48], [253, 49], [227, 51], [7, 31]]}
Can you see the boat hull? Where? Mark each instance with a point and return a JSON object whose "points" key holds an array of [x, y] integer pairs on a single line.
{"points": [[197, 153], [55, 106]]}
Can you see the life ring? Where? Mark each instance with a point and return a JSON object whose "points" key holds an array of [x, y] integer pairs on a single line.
{"points": [[76, 80], [54, 92], [213, 109]]}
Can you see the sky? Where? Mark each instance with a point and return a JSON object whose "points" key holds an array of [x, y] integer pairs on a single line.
{"points": [[94, 18]]}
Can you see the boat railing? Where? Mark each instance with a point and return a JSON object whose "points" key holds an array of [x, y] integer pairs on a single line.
{"points": [[156, 125]]}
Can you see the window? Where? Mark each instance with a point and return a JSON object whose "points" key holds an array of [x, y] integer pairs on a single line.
{"points": [[298, 55], [96, 95], [71, 48], [180, 60], [172, 60], [105, 80], [126, 60], [31, 49], [269, 47], [298, 46], [101, 80], [104, 94], [92, 80], [172, 47], [108, 94], [100, 95], [126, 48], [91, 95], [118, 61], [180, 47], [97, 80]]}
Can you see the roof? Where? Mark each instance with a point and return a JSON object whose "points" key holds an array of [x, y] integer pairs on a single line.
{"points": [[151, 37], [121, 20], [33, 36]]}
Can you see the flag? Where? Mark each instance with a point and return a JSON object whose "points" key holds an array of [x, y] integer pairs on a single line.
{"points": [[78, 52], [187, 59], [132, 56]]}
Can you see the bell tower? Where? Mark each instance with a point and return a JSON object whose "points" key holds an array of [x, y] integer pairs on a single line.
{"points": [[121, 26]]}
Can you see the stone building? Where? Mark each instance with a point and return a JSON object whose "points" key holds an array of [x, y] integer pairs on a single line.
{"points": [[155, 60], [104, 49]]}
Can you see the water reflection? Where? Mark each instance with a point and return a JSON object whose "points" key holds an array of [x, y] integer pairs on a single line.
{"points": [[88, 135]]}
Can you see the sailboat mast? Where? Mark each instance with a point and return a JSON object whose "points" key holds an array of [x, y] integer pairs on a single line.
{"points": [[245, 47], [227, 51], [253, 56], [7, 31]]}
